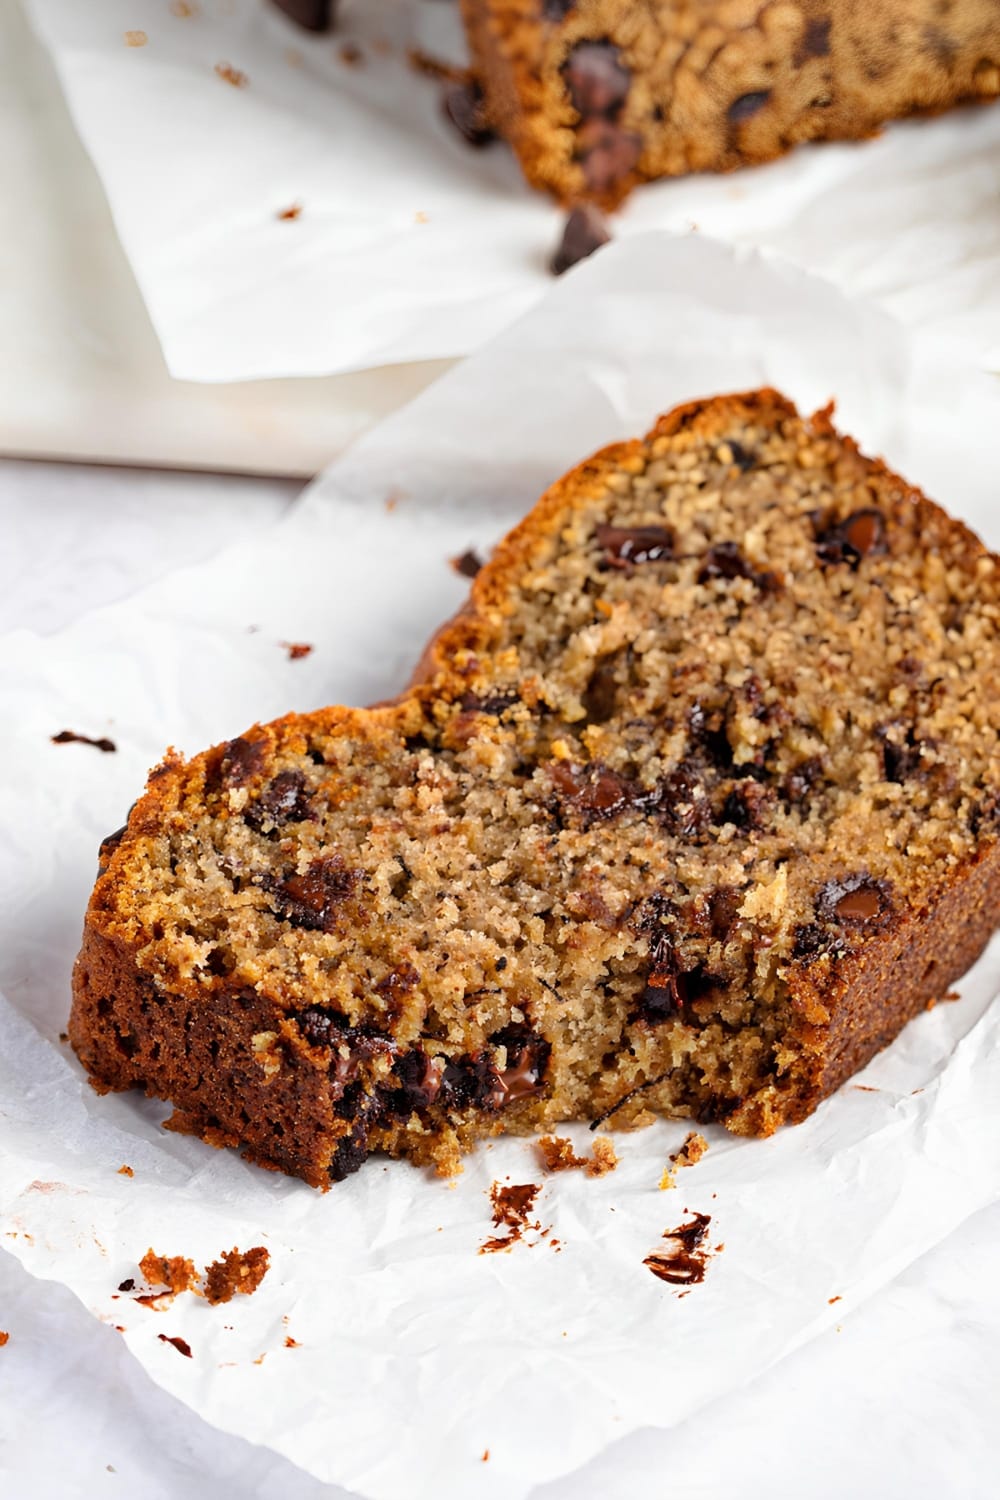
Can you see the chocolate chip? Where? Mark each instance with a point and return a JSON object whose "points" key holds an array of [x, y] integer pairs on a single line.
{"points": [[901, 757], [856, 899], [859, 535], [128, 1285], [607, 154], [465, 107], [597, 81], [595, 792], [315, 15], [419, 1081], [628, 546], [748, 805], [668, 988], [494, 704], [394, 988], [798, 783], [311, 901], [472, 1082], [584, 232], [683, 801], [725, 560], [815, 40], [556, 10], [709, 737], [741, 457], [108, 847], [723, 909], [747, 105], [467, 564], [241, 760], [527, 1059], [363, 1111], [284, 800]]}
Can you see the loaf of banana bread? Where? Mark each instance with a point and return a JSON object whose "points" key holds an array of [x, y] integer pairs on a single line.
{"points": [[598, 95], [692, 807]]}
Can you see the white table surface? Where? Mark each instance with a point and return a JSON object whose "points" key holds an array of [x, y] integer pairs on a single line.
{"points": [[78, 1416]]}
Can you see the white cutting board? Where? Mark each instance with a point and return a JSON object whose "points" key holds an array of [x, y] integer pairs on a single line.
{"points": [[81, 373]]}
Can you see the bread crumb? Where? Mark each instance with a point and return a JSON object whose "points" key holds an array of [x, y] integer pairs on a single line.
{"points": [[351, 55], [668, 1180], [4, 1337], [420, 217], [125, 1171], [486, 1455], [296, 649], [293, 211], [229, 74], [136, 39], [183, 8], [175, 1273], [236, 1272], [181, 1345], [558, 1155], [291, 1343], [692, 1150]]}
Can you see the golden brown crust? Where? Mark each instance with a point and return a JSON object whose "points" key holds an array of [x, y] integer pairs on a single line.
{"points": [[695, 85]]}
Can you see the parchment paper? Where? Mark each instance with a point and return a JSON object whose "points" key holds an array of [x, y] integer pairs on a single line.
{"points": [[414, 1355], [409, 244]]}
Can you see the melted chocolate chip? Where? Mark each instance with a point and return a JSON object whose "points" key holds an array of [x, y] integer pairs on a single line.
{"points": [[527, 1059], [363, 1112], [284, 800], [901, 758], [597, 81], [584, 232], [241, 760], [707, 726], [683, 801], [607, 154], [797, 785], [420, 1080], [725, 560], [311, 901], [723, 909], [596, 792], [859, 535], [70, 737], [472, 1082], [629, 546], [465, 107], [856, 900], [747, 105], [684, 1262], [742, 458], [181, 1345]]}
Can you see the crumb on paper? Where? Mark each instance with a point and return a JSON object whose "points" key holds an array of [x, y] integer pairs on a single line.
{"points": [[181, 1345], [692, 1150], [291, 1343], [558, 1155], [864, 1088], [183, 8], [436, 67], [467, 564], [128, 1285], [136, 39], [832, 1300], [170, 1274], [667, 1180], [261, 1358], [296, 649], [229, 74], [293, 211], [64, 1036], [4, 1337], [511, 1209], [393, 498], [486, 1455], [420, 217], [70, 737], [293, 57], [684, 1261], [351, 55], [235, 1273], [125, 1170]]}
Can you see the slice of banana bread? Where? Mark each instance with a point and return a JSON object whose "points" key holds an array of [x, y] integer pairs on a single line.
{"points": [[597, 95], [691, 808]]}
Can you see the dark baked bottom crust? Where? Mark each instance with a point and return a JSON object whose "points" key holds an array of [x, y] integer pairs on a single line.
{"points": [[264, 946]]}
